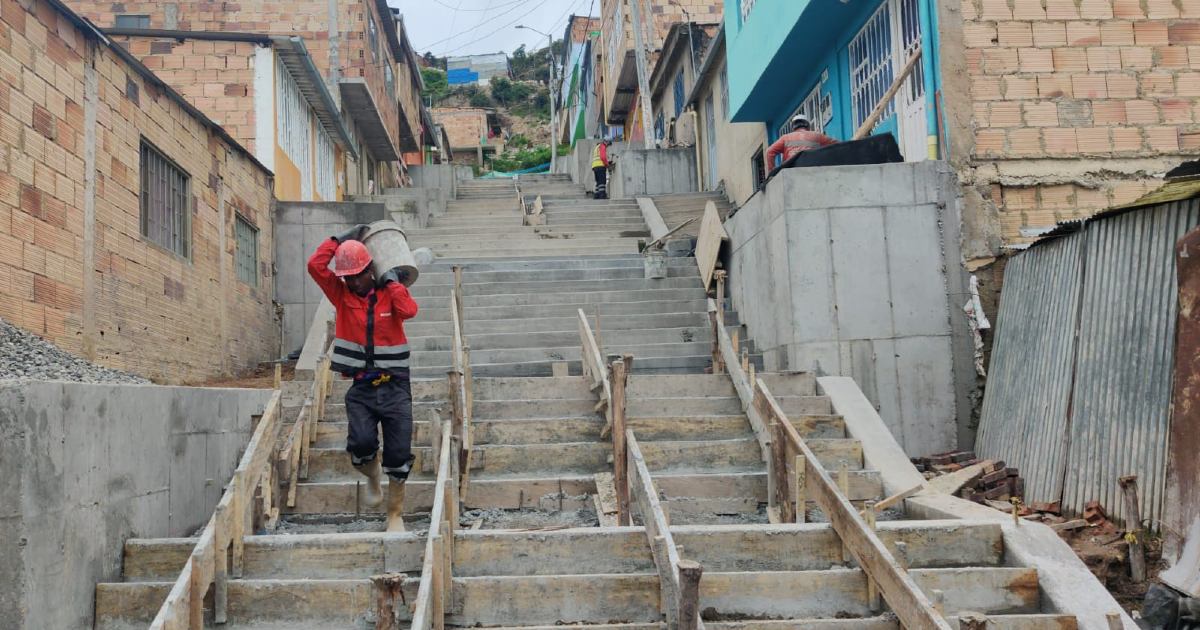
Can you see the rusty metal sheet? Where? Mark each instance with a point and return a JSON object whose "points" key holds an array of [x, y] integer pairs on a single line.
{"points": [[1182, 494], [1025, 405]]}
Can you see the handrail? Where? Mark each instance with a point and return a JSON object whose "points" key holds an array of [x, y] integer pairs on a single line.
{"points": [[658, 533], [295, 452], [741, 382], [790, 487], [433, 594], [594, 371], [462, 398], [211, 562]]}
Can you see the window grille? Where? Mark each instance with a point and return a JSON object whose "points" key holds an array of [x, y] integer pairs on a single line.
{"points": [[813, 108], [165, 219], [246, 256], [133, 21], [747, 8], [616, 35], [294, 127], [910, 35], [725, 94], [326, 184], [871, 66], [373, 36]]}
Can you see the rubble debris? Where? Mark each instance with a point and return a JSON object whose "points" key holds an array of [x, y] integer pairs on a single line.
{"points": [[25, 356], [1094, 514], [973, 479]]}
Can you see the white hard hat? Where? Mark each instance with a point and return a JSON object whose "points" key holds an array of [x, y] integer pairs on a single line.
{"points": [[799, 118]]}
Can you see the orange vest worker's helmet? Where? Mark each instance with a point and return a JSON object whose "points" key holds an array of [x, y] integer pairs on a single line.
{"points": [[350, 259]]}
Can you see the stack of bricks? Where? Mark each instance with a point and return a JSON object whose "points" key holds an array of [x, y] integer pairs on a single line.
{"points": [[74, 266], [215, 76], [1079, 104], [995, 481]]}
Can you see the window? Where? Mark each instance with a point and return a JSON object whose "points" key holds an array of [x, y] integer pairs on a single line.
{"points": [[373, 36], [677, 92], [165, 218], [815, 108], [246, 256], [871, 66], [390, 79], [326, 184], [133, 21], [758, 168], [294, 127], [747, 7]]}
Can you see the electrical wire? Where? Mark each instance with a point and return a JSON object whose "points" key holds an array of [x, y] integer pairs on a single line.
{"points": [[477, 10], [521, 17], [460, 34]]}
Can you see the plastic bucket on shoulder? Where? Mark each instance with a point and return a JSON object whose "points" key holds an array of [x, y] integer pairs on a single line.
{"points": [[389, 248]]}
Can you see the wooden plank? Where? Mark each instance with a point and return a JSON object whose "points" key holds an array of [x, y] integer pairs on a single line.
{"points": [[1133, 528], [911, 606], [594, 369], [428, 606], [606, 499], [953, 482], [660, 241], [620, 378], [742, 384], [689, 594], [708, 242]]}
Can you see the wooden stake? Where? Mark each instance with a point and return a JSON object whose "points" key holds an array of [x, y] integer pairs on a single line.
{"points": [[689, 594], [620, 376], [458, 292], [844, 488], [872, 591], [733, 337], [1133, 528], [1114, 621], [278, 375], [798, 489], [599, 339], [968, 620], [720, 275], [387, 587]]}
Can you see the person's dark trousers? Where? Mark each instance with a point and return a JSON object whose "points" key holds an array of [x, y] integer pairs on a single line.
{"points": [[388, 404], [601, 174]]}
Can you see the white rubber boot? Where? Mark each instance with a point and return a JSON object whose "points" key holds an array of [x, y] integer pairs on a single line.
{"points": [[372, 471], [395, 505]]}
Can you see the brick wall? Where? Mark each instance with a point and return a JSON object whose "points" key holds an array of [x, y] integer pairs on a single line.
{"points": [[464, 127], [217, 77], [1077, 106], [308, 19], [74, 267]]}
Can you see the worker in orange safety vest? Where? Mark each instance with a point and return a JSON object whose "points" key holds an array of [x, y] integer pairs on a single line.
{"points": [[801, 139]]}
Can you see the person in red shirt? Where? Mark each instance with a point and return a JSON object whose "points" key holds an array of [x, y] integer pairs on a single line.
{"points": [[801, 139], [371, 348]]}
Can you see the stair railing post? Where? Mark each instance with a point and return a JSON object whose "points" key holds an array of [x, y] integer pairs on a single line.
{"points": [[620, 375]]}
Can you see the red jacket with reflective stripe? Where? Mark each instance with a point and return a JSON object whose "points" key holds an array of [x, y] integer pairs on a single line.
{"points": [[369, 330], [792, 144]]}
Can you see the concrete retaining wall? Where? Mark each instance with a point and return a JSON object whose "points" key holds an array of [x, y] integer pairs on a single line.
{"points": [[299, 227], [87, 466], [855, 271], [653, 172], [439, 176]]}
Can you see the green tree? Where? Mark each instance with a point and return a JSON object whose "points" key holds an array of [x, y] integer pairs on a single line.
{"points": [[437, 86]]}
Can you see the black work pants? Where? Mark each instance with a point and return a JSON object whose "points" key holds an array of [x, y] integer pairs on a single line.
{"points": [[388, 405], [601, 174]]}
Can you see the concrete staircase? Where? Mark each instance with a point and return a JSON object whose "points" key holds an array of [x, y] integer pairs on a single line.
{"points": [[530, 551], [538, 557], [523, 285]]}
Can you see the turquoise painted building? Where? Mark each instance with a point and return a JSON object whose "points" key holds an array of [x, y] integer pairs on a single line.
{"points": [[833, 60]]}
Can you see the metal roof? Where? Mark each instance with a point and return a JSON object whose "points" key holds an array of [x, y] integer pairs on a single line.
{"points": [[358, 101], [299, 64]]}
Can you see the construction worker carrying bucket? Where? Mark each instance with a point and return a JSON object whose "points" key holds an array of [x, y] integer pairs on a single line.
{"points": [[600, 165], [370, 347], [802, 138]]}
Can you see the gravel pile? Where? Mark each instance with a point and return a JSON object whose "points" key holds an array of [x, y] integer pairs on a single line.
{"points": [[25, 356]]}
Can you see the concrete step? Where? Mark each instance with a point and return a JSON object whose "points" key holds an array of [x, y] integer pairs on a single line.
{"points": [[581, 458], [331, 432], [517, 263], [1041, 621], [542, 248], [549, 274], [499, 341], [533, 356], [647, 364], [533, 307], [417, 328], [712, 498], [626, 223], [507, 388]]}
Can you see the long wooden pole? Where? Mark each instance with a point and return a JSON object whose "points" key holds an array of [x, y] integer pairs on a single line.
{"points": [[865, 129]]}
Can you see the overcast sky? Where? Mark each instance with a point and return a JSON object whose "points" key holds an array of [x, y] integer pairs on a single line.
{"points": [[469, 27]]}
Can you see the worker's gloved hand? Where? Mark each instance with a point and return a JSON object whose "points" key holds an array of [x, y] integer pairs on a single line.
{"points": [[356, 233], [395, 274]]}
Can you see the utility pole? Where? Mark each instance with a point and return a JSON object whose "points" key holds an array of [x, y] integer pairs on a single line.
{"points": [[639, 55], [553, 94]]}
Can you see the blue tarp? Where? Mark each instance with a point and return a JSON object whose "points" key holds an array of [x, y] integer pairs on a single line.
{"points": [[541, 168], [460, 76]]}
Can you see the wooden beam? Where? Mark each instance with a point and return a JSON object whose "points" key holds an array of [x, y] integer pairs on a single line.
{"points": [[428, 609], [912, 608], [606, 499], [1133, 528], [708, 242], [689, 594], [743, 386], [620, 379], [865, 128], [654, 220], [594, 370]]}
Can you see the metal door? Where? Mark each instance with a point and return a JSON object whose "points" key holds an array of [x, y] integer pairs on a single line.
{"points": [[910, 100]]}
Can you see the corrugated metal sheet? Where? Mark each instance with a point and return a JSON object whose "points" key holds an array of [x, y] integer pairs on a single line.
{"points": [[1080, 387], [1025, 405]]}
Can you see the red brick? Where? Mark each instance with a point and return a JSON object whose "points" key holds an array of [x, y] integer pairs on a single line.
{"points": [[1138, 112], [1184, 32], [1150, 33], [999, 60], [1061, 10], [1020, 88], [1103, 59], [1158, 84], [1187, 84], [1083, 33], [989, 142], [1171, 57], [1189, 140], [1042, 114], [1127, 139], [1025, 142], [1121, 86], [1004, 114], [1128, 9], [1070, 59], [1028, 10], [1116, 33], [986, 88], [1136, 58], [1176, 110], [1093, 140], [1089, 86], [1095, 10], [1036, 60], [1163, 139], [1014, 34], [1049, 34], [1019, 197], [979, 35], [1108, 113], [1161, 9], [995, 10], [1060, 141], [1054, 85]]}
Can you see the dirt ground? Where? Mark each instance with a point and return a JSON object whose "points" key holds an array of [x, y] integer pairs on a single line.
{"points": [[1104, 551], [261, 377]]}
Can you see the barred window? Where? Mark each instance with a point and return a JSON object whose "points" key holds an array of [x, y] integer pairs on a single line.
{"points": [[246, 256], [373, 34], [165, 219], [294, 127], [390, 79]]}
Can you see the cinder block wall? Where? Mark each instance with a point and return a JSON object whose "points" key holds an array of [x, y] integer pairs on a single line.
{"points": [[1076, 105], [74, 267]]}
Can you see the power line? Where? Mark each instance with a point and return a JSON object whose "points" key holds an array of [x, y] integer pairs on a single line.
{"points": [[477, 10], [460, 34], [519, 18]]}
